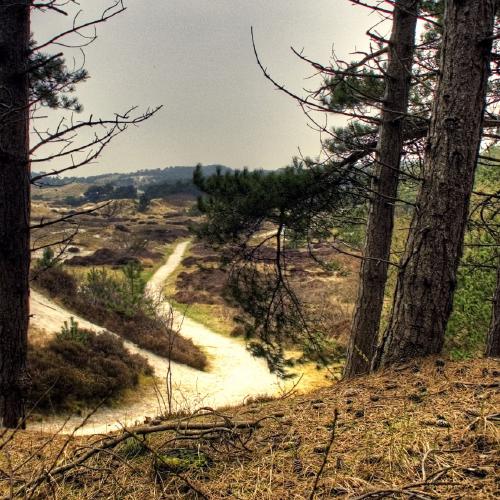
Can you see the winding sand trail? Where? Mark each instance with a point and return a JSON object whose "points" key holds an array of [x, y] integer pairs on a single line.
{"points": [[233, 373]]}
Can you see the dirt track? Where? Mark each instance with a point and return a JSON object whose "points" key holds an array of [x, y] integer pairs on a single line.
{"points": [[233, 373]]}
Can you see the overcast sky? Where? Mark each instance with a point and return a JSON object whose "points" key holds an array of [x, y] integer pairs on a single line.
{"points": [[195, 57]]}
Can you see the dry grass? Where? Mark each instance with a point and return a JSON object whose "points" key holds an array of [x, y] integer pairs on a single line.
{"points": [[186, 290], [41, 210], [164, 223], [426, 431], [199, 285]]}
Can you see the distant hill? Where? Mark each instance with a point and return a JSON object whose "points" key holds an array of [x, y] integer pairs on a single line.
{"points": [[139, 178]]}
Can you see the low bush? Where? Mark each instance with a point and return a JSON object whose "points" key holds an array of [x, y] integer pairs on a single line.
{"points": [[75, 371], [56, 281], [101, 257]]}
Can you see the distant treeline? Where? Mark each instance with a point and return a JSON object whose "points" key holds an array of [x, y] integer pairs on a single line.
{"points": [[97, 193], [139, 178], [164, 189]]}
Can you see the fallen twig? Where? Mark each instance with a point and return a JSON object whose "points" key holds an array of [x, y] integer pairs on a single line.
{"points": [[179, 426]]}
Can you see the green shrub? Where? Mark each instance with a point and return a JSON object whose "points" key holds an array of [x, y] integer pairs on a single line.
{"points": [[72, 332], [125, 296], [470, 319], [133, 287], [47, 259], [100, 288]]}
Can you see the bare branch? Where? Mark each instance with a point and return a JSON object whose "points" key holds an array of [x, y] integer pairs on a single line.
{"points": [[75, 29]]}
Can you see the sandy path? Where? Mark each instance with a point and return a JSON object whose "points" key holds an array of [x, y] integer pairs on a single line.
{"points": [[233, 373]]}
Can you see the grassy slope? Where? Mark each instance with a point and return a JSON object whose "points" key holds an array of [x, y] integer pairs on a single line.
{"points": [[428, 426], [213, 316]]}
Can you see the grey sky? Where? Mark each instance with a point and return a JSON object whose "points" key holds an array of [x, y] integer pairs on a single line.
{"points": [[195, 58]]}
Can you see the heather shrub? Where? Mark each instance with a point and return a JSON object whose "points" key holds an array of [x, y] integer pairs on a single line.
{"points": [[55, 281], [146, 331], [78, 371]]}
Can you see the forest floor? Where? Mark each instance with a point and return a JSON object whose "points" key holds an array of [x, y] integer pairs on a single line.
{"points": [[426, 430]]}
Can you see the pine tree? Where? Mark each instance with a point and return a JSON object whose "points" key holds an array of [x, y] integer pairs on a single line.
{"points": [[302, 203], [377, 250], [427, 275], [356, 90], [31, 79], [14, 207]]}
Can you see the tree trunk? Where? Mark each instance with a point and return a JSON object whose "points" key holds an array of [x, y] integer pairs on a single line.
{"points": [[427, 277], [14, 208], [493, 345], [373, 275]]}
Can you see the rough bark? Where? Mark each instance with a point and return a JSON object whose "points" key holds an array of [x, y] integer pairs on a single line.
{"points": [[14, 208], [493, 344], [427, 277], [373, 274]]}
